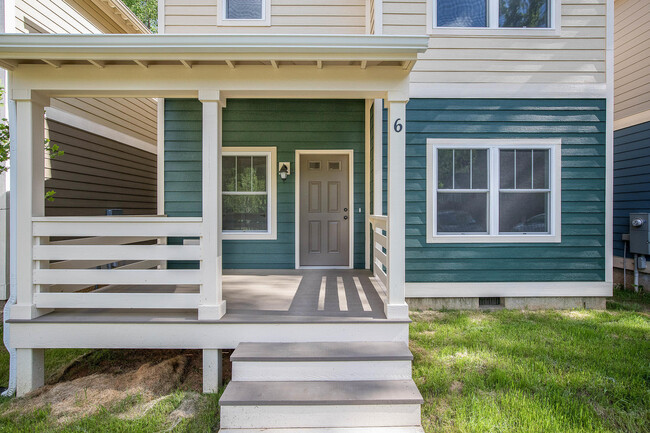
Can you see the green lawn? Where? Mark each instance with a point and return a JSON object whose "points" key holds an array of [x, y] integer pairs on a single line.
{"points": [[498, 371]]}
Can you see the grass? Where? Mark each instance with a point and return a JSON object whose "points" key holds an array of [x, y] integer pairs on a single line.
{"points": [[497, 371]]}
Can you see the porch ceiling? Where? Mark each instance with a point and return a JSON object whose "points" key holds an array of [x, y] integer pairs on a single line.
{"points": [[276, 51]]}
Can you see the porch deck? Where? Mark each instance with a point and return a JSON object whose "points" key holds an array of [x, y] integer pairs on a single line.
{"points": [[258, 296]]}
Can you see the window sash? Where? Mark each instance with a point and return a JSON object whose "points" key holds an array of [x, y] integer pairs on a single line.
{"points": [[267, 192], [494, 16], [494, 190]]}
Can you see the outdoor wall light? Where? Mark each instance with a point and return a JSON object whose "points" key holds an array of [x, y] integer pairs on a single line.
{"points": [[285, 170]]}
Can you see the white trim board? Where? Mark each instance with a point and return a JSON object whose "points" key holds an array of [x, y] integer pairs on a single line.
{"points": [[507, 90], [350, 153], [75, 121], [508, 289], [633, 120], [609, 141]]}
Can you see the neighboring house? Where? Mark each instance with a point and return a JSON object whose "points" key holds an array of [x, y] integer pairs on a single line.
{"points": [[460, 150], [109, 145], [631, 126]]}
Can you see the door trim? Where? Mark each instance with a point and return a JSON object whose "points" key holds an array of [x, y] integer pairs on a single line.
{"points": [[350, 154]]}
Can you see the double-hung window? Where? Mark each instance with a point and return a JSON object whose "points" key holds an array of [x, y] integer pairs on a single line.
{"points": [[493, 190], [244, 13], [248, 193], [493, 14]]}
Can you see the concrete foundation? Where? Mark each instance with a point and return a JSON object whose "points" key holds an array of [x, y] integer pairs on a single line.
{"points": [[644, 278], [524, 303]]}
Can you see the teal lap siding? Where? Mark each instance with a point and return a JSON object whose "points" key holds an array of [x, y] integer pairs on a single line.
{"points": [[581, 126], [286, 124]]}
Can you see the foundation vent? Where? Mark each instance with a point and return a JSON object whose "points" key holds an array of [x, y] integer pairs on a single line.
{"points": [[489, 302]]}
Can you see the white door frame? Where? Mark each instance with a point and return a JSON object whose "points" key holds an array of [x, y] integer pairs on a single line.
{"points": [[350, 153]]}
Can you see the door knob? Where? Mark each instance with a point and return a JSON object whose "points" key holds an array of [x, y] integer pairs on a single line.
{"points": [[345, 209]]}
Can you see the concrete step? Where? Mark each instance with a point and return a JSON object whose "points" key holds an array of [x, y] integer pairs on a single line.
{"points": [[357, 361], [314, 404]]}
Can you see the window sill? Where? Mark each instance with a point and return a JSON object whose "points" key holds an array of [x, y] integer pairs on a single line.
{"points": [[243, 23], [500, 32], [248, 236], [497, 239]]}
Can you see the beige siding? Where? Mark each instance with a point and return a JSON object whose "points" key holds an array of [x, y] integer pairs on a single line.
{"points": [[631, 58], [95, 174], [62, 16], [136, 117], [576, 56], [287, 16]]}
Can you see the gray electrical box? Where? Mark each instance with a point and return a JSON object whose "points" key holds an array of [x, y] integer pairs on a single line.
{"points": [[639, 233]]}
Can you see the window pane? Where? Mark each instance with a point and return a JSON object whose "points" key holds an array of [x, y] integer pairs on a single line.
{"points": [[445, 168], [462, 212], [523, 13], [523, 212], [461, 168], [479, 169], [524, 177], [229, 173], [244, 173], [244, 9], [541, 169], [462, 13], [259, 173], [507, 169], [245, 212]]}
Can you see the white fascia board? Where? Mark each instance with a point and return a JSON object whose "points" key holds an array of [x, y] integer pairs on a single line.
{"points": [[36, 46]]}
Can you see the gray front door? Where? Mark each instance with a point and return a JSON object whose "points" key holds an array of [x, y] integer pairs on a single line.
{"points": [[324, 210]]}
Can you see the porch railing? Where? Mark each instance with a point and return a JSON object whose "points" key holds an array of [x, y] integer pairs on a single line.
{"points": [[64, 269], [379, 229]]}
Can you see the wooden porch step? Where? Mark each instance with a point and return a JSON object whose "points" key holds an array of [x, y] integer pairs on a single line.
{"points": [[319, 393], [305, 352]]}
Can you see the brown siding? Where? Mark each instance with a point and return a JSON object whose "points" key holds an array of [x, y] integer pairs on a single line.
{"points": [[96, 173]]}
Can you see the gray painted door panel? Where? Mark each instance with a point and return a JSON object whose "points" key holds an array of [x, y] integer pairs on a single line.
{"points": [[324, 210]]}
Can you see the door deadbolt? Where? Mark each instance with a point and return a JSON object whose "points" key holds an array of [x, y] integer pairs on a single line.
{"points": [[345, 217], [345, 209]]}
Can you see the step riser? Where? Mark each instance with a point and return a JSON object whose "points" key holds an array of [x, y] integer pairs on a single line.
{"points": [[321, 370], [260, 417], [329, 430]]}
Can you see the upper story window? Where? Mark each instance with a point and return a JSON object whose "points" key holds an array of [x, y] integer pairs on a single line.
{"points": [[244, 13], [492, 14], [493, 190]]}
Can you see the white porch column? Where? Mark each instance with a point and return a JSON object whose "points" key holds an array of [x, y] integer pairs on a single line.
{"points": [[28, 164], [211, 304], [396, 307], [30, 370]]}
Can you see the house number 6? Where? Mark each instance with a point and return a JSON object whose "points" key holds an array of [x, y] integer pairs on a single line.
{"points": [[397, 126]]}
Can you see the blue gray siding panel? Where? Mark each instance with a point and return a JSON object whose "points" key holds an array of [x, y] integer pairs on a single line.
{"points": [[631, 177], [581, 126]]}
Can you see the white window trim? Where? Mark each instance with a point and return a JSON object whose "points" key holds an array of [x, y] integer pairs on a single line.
{"points": [[272, 183], [555, 212], [493, 28], [264, 21]]}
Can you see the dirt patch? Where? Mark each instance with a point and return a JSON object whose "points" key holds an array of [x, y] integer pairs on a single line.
{"points": [[108, 379]]}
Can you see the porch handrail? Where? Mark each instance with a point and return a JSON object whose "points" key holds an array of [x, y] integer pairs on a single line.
{"points": [[379, 230], [112, 239]]}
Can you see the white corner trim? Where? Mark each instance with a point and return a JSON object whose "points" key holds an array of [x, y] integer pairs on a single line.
{"points": [[161, 17], [555, 215], [508, 289], [507, 90], [633, 120], [609, 141], [299, 153], [379, 17], [75, 121], [271, 154], [493, 28], [265, 21]]}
